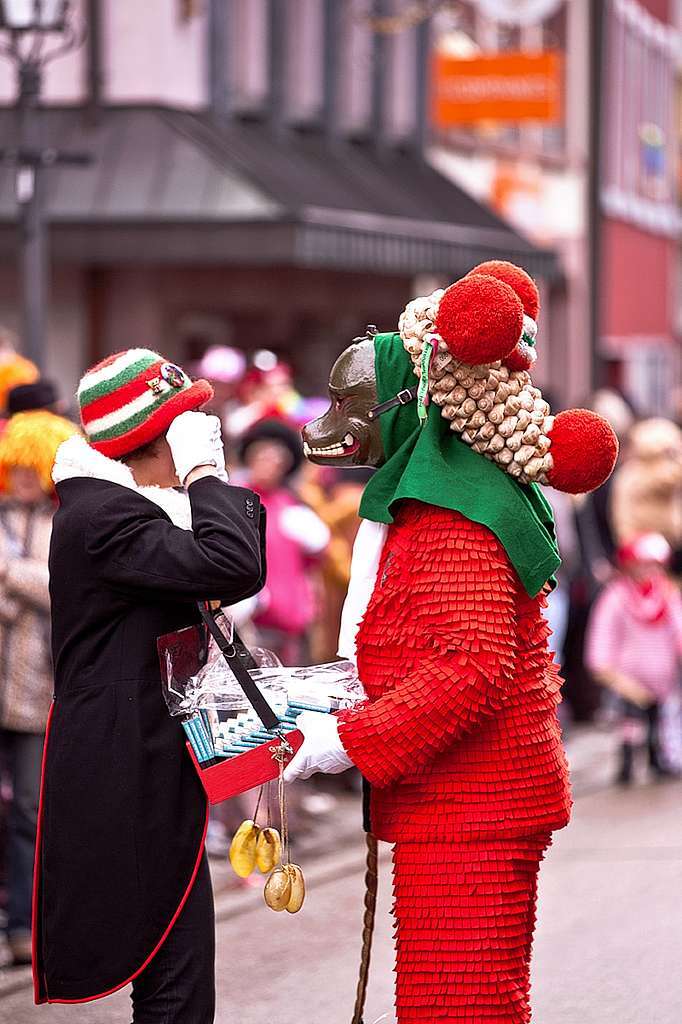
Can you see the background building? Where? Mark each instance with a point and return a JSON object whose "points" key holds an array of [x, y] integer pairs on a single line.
{"points": [[530, 164], [595, 175], [639, 201], [277, 173], [258, 177]]}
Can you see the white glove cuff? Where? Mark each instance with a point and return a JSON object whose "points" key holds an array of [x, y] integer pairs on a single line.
{"points": [[322, 750]]}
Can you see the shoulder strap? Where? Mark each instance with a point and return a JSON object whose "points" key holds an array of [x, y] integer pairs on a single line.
{"points": [[237, 656], [403, 397]]}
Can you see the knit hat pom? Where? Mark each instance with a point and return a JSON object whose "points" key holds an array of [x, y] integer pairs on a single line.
{"points": [[480, 319], [517, 279], [584, 451]]}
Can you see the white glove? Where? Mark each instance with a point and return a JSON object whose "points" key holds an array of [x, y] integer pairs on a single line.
{"points": [[219, 452], [195, 440], [322, 750]]}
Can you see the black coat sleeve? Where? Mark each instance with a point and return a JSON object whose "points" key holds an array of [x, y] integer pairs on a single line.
{"points": [[136, 549]]}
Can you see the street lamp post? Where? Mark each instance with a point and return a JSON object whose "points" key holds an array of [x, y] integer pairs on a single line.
{"points": [[27, 26]]}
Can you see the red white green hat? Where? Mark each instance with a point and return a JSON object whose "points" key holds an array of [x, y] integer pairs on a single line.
{"points": [[132, 397]]}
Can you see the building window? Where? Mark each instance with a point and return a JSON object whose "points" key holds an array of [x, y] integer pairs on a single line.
{"points": [[355, 65], [401, 77], [639, 118], [247, 72], [303, 60]]}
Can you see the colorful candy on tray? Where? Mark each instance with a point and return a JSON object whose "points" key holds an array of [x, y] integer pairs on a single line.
{"points": [[233, 749], [213, 740]]}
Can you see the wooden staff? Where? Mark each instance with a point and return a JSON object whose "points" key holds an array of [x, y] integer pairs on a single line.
{"points": [[371, 887]]}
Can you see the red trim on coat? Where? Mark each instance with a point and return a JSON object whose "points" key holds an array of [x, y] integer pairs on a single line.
{"points": [[191, 398], [36, 868], [36, 877]]}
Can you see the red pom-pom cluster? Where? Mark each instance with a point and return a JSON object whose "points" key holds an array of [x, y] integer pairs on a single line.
{"points": [[584, 450], [480, 319], [517, 279]]}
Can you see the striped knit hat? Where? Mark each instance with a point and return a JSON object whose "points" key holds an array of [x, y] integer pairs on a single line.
{"points": [[132, 397]]}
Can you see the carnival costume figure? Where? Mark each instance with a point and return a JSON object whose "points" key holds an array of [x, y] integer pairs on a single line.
{"points": [[459, 739]]}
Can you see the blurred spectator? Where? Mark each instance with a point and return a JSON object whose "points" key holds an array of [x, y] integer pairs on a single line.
{"points": [[222, 364], [594, 519], [14, 369], [27, 450], [634, 645], [266, 392], [558, 601], [39, 394], [592, 566], [335, 496], [296, 537], [224, 367], [647, 487]]}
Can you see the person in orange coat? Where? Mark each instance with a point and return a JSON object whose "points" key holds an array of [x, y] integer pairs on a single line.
{"points": [[459, 738]]}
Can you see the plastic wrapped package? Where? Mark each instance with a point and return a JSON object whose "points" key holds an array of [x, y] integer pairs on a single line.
{"points": [[196, 676], [232, 748]]}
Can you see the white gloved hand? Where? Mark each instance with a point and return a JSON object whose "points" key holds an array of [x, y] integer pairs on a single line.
{"points": [[219, 452], [322, 750], [194, 438]]}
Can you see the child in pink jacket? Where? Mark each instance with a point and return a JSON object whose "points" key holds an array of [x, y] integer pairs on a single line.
{"points": [[634, 644]]}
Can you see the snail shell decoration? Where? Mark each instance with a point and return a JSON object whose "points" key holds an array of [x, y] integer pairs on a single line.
{"points": [[482, 330]]}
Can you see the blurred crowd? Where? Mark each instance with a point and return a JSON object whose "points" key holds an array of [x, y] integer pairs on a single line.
{"points": [[616, 612]]}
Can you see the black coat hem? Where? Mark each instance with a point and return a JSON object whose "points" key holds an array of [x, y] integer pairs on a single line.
{"points": [[39, 981]]}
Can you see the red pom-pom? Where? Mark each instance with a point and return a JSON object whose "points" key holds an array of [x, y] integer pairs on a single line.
{"points": [[480, 319], [584, 450], [521, 282], [519, 359]]}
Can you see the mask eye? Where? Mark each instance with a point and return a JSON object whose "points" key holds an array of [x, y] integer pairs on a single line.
{"points": [[339, 404]]}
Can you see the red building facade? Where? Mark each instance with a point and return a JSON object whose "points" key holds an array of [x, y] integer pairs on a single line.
{"points": [[639, 344]]}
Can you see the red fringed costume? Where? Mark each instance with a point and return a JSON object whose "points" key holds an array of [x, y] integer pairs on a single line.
{"points": [[459, 739], [453, 649]]}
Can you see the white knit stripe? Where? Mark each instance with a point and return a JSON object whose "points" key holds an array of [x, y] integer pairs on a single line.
{"points": [[114, 419], [95, 377]]}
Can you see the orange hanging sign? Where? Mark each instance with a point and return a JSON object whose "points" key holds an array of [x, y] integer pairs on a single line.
{"points": [[497, 87]]}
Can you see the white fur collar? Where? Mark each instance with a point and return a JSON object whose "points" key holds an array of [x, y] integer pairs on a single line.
{"points": [[75, 458]]}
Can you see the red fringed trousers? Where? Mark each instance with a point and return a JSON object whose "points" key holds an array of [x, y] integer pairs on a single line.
{"points": [[465, 914], [460, 742]]}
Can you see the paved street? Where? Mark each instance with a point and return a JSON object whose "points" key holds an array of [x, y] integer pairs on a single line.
{"points": [[608, 949]]}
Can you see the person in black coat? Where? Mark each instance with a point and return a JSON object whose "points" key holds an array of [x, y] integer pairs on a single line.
{"points": [[122, 887]]}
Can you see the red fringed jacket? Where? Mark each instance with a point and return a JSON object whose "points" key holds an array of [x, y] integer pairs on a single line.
{"points": [[460, 734]]}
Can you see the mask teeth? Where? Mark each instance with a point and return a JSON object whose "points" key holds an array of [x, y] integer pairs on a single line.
{"points": [[339, 448]]}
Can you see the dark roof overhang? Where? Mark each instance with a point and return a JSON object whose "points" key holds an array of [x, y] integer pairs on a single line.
{"points": [[173, 187]]}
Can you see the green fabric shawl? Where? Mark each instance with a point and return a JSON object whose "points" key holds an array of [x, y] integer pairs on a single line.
{"points": [[432, 464]]}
